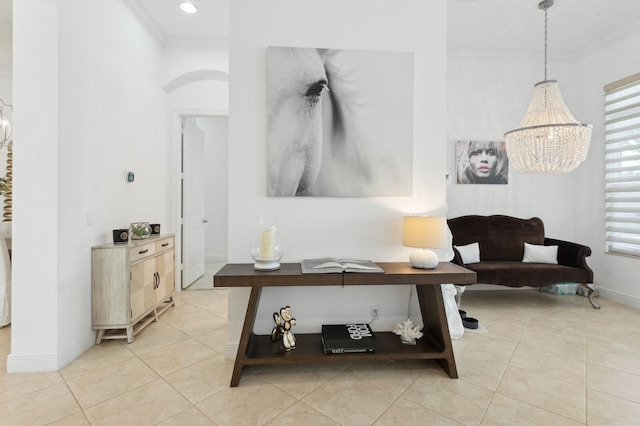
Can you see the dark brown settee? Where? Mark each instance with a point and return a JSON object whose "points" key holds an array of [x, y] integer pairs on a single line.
{"points": [[501, 240]]}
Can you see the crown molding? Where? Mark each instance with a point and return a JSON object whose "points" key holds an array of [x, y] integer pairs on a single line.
{"points": [[145, 19], [198, 43]]}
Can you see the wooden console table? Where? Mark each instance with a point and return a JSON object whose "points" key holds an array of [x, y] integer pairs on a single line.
{"points": [[436, 344]]}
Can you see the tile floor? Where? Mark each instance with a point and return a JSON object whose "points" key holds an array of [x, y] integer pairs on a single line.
{"points": [[544, 360]]}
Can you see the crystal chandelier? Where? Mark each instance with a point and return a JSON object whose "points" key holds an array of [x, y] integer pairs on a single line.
{"points": [[549, 139]]}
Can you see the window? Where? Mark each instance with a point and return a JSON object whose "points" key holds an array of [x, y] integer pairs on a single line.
{"points": [[622, 166]]}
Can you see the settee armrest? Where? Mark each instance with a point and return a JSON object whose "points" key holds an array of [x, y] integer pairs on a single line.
{"points": [[571, 254], [457, 259]]}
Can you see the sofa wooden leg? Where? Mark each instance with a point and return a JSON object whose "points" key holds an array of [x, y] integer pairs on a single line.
{"points": [[591, 293]]}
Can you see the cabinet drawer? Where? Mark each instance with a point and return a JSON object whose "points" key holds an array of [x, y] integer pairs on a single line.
{"points": [[165, 244], [140, 252]]}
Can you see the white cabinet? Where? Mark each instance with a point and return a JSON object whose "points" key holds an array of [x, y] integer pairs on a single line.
{"points": [[131, 285]]}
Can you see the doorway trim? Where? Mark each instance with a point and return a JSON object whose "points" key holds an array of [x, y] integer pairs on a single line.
{"points": [[177, 115]]}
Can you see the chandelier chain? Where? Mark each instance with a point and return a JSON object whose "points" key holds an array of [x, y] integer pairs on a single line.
{"points": [[545, 43], [549, 139]]}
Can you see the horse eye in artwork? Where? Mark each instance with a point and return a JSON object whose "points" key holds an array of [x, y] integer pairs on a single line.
{"points": [[315, 90]]}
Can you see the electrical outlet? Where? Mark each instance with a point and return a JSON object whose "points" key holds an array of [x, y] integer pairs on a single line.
{"points": [[375, 312]]}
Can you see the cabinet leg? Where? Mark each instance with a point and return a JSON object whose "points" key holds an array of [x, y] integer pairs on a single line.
{"points": [[129, 334], [100, 334], [245, 337]]}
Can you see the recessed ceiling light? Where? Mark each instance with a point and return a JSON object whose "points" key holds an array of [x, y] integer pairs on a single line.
{"points": [[188, 7]]}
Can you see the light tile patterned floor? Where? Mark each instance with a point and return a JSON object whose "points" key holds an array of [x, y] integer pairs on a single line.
{"points": [[545, 360]]}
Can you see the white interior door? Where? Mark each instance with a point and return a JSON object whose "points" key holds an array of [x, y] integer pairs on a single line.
{"points": [[193, 211]]}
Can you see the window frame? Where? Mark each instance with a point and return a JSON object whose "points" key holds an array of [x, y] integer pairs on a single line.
{"points": [[622, 166]]}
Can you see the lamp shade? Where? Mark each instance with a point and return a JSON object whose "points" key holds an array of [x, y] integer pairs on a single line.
{"points": [[425, 232]]}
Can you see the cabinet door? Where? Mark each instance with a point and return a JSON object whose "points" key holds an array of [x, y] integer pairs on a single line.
{"points": [[141, 287], [166, 276]]}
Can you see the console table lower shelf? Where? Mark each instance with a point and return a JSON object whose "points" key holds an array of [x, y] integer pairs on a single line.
{"points": [[435, 344], [262, 351]]}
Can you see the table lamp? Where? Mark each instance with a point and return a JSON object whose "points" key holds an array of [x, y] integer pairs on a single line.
{"points": [[424, 232]]}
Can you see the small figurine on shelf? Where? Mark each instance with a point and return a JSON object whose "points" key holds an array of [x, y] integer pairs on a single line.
{"points": [[408, 332], [282, 330]]}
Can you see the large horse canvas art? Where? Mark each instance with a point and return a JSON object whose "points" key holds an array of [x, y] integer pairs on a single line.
{"points": [[339, 122]]}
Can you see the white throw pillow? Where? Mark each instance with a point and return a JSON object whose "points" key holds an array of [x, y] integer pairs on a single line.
{"points": [[534, 253], [469, 253]]}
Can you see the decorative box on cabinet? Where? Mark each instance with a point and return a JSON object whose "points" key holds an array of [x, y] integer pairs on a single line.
{"points": [[131, 285]]}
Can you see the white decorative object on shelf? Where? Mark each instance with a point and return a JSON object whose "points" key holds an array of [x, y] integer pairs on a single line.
{"points": [[266, 250], [408, 332]]}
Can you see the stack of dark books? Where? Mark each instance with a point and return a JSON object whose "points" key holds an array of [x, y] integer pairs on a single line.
{"points": [[348, 338]]}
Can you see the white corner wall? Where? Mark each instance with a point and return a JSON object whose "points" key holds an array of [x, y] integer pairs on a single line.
{"points": [[616, 276], [181, 60], [489, 95], [88, 108], [34, 328], [313, 226], [216, 131], [197, 83]]}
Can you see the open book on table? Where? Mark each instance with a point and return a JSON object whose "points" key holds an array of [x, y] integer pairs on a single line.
{"points": [[331, 265]]}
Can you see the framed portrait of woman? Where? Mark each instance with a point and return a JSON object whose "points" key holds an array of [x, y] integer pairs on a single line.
{"points": [[482, 162]]}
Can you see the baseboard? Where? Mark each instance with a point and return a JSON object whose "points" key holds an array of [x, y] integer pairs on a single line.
{"points": [[231, 351], [476, 287], [31, 363], [616, 296], [608, 294], [23, 363], [77, 348]]}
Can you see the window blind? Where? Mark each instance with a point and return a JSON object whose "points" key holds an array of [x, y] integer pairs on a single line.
{"points": [[622, 166]]}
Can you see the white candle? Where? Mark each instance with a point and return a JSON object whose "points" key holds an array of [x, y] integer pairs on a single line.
{"points": [[268, 243]]}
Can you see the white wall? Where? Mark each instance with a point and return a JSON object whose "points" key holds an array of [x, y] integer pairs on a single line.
{"points": [[203, 97], [196, 89], [34, 331], [315, 227], [196, 80], [489, 95], [216, 130], [616, 276], [181, 60], [87, 108], [99, 109]]}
